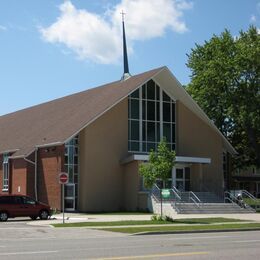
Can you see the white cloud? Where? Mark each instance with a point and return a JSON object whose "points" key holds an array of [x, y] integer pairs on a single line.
{"points": [[3, 28], [98, 37], [253, 18], [87, 34]]}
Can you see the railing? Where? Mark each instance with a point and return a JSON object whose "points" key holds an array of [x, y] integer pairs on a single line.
{"points": [[230, 197], [173, 198], [248, 194], [248, 198], [195, 199], [176, 197], [234, 200]]}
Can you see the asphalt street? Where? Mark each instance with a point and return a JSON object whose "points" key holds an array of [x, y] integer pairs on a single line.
{"points": [[21, 241]]}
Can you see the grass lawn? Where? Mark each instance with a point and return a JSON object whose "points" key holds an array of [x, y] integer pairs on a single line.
{"points": [[166, 229], [253, 203], [149, 222]]}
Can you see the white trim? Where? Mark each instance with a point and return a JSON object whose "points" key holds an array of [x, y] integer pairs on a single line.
{"points": [[193, 159], [10, 151], [178, 159]]}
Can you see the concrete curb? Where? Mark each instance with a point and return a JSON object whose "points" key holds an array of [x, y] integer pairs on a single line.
{"points": [[193, 232]]}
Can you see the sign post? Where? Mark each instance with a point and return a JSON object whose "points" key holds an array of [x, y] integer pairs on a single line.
{"points": [[165, 194], [63, 179]]}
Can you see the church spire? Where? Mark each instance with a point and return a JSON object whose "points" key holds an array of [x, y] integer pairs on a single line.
{"points": [[126, 74]]}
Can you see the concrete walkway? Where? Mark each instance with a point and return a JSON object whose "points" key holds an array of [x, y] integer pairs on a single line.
{"points": [[81, 217]]}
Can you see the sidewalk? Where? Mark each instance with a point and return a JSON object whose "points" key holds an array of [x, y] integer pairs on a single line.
{"points": [[82, 217]]}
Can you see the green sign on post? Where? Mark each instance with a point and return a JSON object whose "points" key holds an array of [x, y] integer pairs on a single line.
{"points": [[166, 193]]}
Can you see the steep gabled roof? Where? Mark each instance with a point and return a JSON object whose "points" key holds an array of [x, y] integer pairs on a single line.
{"points": [[60, 119], [56, 121]]}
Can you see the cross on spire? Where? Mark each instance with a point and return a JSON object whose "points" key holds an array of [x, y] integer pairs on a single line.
{"points": [[123, 15]]}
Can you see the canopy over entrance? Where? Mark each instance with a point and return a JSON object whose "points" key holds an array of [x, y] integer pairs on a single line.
{"points": [[178, 159]]}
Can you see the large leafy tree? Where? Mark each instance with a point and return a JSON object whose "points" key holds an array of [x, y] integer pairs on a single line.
{"points": [[225, 81]]}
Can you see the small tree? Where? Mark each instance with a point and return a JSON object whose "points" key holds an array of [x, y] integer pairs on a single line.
{"points": [[159, 166]]}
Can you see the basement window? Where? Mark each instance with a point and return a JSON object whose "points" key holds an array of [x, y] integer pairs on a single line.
{"points": [[5, 173]]}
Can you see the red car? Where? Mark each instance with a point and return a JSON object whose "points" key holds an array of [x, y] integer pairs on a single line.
{"points": [[12, 206]]}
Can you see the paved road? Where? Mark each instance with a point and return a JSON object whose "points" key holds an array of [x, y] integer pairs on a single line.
{"points": [[21, 241]]}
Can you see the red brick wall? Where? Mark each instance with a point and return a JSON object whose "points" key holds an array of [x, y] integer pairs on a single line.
{"points": [[30, 178], [50, 164], [1, 173], [17, 177], [22, 174]]}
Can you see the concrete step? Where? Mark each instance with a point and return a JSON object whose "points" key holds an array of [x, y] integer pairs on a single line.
{"points": [[212, 208], [209, 197]]}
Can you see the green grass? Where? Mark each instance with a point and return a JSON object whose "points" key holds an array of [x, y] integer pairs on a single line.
{"points": [[251, 202], [132, 230], [149, 222]]}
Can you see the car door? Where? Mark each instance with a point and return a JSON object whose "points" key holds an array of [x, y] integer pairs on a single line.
{"points": [[30, 207], [16, 206]]}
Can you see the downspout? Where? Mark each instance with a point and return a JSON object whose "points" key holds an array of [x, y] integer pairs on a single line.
{"points": [[35, 171]]}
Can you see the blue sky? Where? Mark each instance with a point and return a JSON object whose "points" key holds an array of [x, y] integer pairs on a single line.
{"points": [[53, 48]]}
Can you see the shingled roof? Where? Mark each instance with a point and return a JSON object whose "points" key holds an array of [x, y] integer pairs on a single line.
{"points": [[55, 122], [58, 120]]}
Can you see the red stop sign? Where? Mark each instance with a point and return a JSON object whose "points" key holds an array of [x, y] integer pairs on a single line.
{"points": [[63, 178]]}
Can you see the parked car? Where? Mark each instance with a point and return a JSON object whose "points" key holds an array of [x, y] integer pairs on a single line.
{"points": [[12, 206]]}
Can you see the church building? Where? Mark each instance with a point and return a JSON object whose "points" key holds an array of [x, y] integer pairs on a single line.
{"points": [[101, 135]]}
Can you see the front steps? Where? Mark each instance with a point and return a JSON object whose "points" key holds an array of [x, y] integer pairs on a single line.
{"points": [[171, 209], [212, 208], [208, 197]]}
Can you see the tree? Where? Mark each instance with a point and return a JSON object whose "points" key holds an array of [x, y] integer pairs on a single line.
{"points": [[159, 165], [225, 82]]}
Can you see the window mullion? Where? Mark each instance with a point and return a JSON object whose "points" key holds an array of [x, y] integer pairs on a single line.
{"points": [[161, 114], [140, 121]]}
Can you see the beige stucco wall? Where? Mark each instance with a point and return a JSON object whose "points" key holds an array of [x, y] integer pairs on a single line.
{"points": [[131, 185], [134, 199], [196, 139], [102, 144]]}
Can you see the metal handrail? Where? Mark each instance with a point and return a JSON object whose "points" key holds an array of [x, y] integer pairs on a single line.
{"points": [[230, 200], [251, 196], [234, 199], [196, 197], [176, 194], [176, 190], [246, 194], [192, 196], [153, 192]]}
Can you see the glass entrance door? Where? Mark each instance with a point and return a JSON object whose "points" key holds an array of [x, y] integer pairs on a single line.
{"points": [[69, 197], [182, 178]]}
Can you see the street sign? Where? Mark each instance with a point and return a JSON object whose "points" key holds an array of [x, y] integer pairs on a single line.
{"points": [[63, 178], [166, 193]]}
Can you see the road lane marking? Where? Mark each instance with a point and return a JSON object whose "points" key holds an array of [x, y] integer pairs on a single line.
{"points": [[151, 256], [246, 241], [28, 253]]}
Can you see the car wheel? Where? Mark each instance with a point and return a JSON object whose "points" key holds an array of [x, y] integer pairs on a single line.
{"points": [[3, 216], [33, 217], [44, 214]]}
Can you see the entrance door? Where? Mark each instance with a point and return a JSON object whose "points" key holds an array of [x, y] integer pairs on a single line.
{"points": [[69, 197], [182, 178]]}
